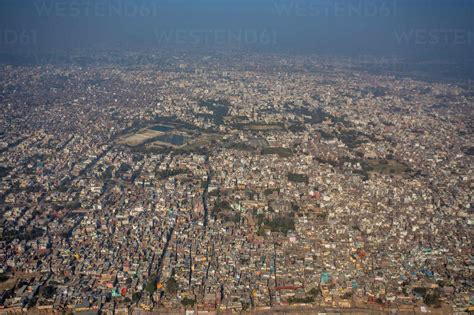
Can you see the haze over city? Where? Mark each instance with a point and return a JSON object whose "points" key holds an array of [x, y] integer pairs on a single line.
{"points": [[236, 156]]}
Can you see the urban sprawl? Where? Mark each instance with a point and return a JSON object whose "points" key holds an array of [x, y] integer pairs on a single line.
{"points": [[234, 183]]}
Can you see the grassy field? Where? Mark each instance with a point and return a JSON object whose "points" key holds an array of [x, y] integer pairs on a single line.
{"points": [[282, 152], [139, 137], [263, 127], [387, 166]]}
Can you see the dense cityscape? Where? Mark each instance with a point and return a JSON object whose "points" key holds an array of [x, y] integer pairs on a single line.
{"points": [[230, 184]]}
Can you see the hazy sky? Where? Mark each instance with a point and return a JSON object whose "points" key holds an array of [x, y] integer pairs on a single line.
{"points": [[415, 28]]}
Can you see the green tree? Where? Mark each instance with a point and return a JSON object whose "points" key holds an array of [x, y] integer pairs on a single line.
{"points": [[171, 285], [151, 284], [187, 302], [136, 296]]}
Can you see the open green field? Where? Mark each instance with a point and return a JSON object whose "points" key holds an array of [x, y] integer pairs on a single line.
{"points": [[282, 152], [387, 166], [264, 127], [139, 137]]}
